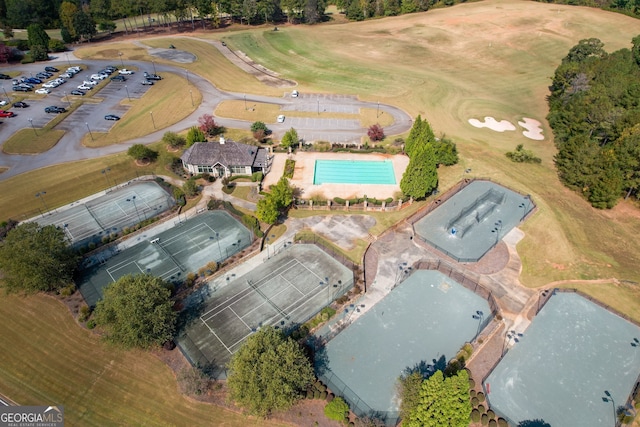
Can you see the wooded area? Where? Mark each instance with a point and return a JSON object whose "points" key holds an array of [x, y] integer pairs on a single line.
{"points": [[594, 111]]}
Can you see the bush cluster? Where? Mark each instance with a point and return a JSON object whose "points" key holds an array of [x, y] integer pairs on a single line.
{"points": [[317, 390], [289, 168]]}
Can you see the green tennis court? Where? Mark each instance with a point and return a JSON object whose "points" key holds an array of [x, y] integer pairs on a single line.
{"points": [[170, 255]]}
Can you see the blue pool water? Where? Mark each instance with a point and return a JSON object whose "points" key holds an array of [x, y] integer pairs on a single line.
{"points": [[353, 172]]}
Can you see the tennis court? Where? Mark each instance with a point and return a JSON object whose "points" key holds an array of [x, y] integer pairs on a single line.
{"points": [[170, 255], [573, 366], [284, 291], [91, 220], [474, 220], [423, 322]]}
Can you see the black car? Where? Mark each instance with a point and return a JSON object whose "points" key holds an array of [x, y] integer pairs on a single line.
{"points": [[147, 82], [4, 76], [54, 109], [20, 104], [118, 79], [111, 117], [152, 76], [21, 89], [51, 69], [77, 92]]}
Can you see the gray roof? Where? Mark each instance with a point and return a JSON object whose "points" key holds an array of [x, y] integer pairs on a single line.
{"points": [[230, 153]]}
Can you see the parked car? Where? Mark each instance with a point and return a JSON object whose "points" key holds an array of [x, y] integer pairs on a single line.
{"points": [[85, 87], [281, 118], [67, 75], [21, 89], [112, 117], [44, 75], [51, 84], [55, 109], [4, 76], [20, 104], [111, 68], [147, 82], [75, 69], [3, 103], [27, 85], [90, 82], [4, 113], [107, 71], [118, 79], [77, 92], [152, 76], [295, 94], [126, 72], [43, 91], [33, 80], [98, 76], [51, 69]]}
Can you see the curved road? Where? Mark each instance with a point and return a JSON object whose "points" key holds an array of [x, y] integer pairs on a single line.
{"points": [[70, 149]]}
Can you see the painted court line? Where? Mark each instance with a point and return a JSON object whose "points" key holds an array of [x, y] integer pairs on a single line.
{"points": [[217, 337], [241, 319]]}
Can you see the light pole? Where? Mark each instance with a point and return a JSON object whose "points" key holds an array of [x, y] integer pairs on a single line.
{"points": [[218, 239], [378, 110], [497, 229], [133, 199], [5, 93], [318, 106], [187, 72], [608, 398], [245, 102], [191, 93], [127, 89], [90, 134], [34, 129], [67, 96], [509, 336], [105, 172], [68, 62], [154, 67], [524, 206], [479, 315], [152, 121], [40, 195], [121, 62]]}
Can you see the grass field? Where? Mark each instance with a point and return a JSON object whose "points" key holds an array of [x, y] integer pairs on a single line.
{"points": [[48, 359], [26, 141]]}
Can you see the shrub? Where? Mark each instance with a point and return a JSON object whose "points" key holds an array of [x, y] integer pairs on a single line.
{"points": [[484, 419], [84, 313], [67, 291], [190, 280], [375, 133], [27, 59], [323, 395], [337, 409], [316, 394], [257, 177], [56, 45], [482, 409], [474, 401], [475, 415], [493, 423], [91, 324], [481, 396], [322, 146], [140, 152], [472, 393], [520, 155], [339, 201], [502, 422], [472, 383], [330, 397], [491, 414], [309, 394], [289, 168]]}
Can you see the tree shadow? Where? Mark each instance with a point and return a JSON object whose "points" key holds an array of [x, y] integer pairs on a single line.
{"points": [[426, 369], [315, 348], [534, 423]]}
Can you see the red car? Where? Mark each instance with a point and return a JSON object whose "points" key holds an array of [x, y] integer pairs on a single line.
{"points": [[6, 113]]}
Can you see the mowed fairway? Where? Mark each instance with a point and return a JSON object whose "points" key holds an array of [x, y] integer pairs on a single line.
{"points": [[46, 358], [493, 58]]}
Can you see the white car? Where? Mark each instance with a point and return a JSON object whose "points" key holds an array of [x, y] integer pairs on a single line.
{"points": [[85, 87], [98, 76], [43, 91], [67, 75], [3, 103], [51, 84], [125, 71], [281, 118], [75, 69], [90, 82], [295, 94]]}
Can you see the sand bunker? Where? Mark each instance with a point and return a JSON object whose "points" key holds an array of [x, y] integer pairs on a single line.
{"points": [[493, 124], [533, 129]]}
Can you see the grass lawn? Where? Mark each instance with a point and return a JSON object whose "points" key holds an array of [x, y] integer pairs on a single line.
{"points": [[242, 192], [267, 113], [26, 142], [161, 106], [48, 359]]}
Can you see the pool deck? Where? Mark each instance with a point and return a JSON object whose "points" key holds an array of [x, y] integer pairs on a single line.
{"points": [[305, 165]]}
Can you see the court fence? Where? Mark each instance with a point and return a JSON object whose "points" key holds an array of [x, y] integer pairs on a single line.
{"points": [[356, 404]]}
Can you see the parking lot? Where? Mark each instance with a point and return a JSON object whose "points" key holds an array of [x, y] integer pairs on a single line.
{"points": [[87, 117]]}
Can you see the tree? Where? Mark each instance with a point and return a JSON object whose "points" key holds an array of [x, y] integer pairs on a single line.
{"points": [[137, 311], [173, 140], [375, 133], [446, 152], [256, 126], [520, 155], [585, 49], [35, 258], [443, 402], [190, 187], [266, 210], [106, 25], [141, 152], [208, 125], [5, 53], [68, 11], [37, 36], [282, 193], [409, 386], [85, 26], [269, 372], [421, 176], [290, 138], [337, 409], [195, 135]]}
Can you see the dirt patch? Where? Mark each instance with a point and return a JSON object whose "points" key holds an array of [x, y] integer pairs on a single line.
{"points": [[143, 162]]}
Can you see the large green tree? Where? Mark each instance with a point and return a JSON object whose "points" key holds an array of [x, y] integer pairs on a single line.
{"points": [[266, 210], [290, 138], [84, 25], [137, 311], [421, 176], [35, 258], [443, 402], [38, 42], [269, 372]]}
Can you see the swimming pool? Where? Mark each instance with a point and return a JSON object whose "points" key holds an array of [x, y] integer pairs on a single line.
{"points": [[353, 172]]}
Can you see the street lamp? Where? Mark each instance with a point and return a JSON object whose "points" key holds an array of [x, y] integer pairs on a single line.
{"points": [[154, 67], [90, 134], [479, 316], [152, 121], [245, 102], [127, 89], [218, 239], [5, 93], [525, 206], [187, 72], [608, 398], [40, 195], [105, 172], [67, 96], [378, 110], [67, 55], [191, 93], [510, 335], [133, 199], [34, 129], [120, 54], [497, 229]]}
